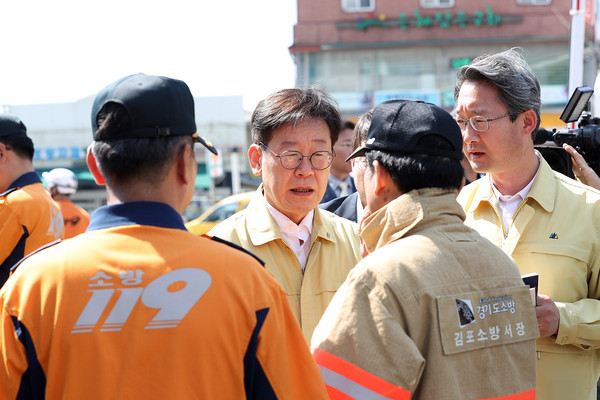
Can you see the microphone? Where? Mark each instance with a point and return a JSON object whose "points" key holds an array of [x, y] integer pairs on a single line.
{"points": [[542, 136]]}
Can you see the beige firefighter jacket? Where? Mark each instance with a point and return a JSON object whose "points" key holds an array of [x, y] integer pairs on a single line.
{"points": [[434, 312]]}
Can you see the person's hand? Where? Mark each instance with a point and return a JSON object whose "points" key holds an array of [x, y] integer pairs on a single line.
{"points": [[547, 316], [582, 171], [363, 247]]}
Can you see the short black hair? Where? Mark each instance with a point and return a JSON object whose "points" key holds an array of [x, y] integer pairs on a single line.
{"points": [[133, 159], [347, 124], [420, 171], [22, 145]]}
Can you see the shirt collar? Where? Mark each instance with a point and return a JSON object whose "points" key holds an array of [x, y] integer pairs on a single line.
{"points": [[289, 227], [521, 193], [136, 213], [360, 209], [27, 178], [334, 181], [543, 189], [401, 215], [262, 227]]}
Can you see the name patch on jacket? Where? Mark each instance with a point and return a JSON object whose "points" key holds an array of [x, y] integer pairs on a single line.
{"points": [[470, 321]]}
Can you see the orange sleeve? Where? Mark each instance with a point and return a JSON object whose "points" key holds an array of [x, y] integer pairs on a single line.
{"points": [[285, 355], [10, 232]]}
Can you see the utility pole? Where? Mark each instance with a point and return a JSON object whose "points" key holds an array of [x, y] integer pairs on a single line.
{"points": [[235, 170], [596, 49], [576, 46]]}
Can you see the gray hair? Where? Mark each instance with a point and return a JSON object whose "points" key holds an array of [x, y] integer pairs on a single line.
{"points": [[518, 87]]}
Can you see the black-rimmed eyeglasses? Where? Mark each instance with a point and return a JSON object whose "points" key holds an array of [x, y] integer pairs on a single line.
{"points": [[477, 122], [292, 159]]}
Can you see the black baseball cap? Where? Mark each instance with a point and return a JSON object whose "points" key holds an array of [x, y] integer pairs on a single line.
{"points": [[157, 106], [11, 125], [14, 131], [398, 125]]}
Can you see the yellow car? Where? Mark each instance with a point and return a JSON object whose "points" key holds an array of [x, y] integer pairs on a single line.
{"points": [[218, 212]]}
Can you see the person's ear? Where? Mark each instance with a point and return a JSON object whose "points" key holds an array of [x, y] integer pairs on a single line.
{"points": [[185, 163], [382, 177], [3, 153], [255, 158], [93, 167], [529, 119]]}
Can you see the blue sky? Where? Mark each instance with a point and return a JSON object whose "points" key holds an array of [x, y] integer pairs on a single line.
{"points": [[64, 50]]}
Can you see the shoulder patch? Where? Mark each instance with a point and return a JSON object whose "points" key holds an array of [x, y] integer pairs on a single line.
{"points": [[235, 246]]}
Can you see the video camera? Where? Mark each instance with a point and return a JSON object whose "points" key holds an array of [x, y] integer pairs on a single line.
{"points": [[585, 139]]}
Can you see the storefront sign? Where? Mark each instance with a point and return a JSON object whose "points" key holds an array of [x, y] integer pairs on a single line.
{"points": [[444, 20]]}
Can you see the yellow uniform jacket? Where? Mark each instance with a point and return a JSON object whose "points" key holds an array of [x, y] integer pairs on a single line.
{"points": [[555, 232], [334, 250]]}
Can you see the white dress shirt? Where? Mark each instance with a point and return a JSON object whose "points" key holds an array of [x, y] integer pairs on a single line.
{"points": [[296, 236], [507, 204]]}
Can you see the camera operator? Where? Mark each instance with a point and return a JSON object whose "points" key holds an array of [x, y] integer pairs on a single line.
{"points": [[582, 171]]}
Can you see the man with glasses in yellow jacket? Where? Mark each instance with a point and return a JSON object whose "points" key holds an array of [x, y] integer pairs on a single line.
{"points": [[308, 250], [549, 224]]}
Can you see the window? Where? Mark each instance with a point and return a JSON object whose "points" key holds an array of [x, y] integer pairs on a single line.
{"points": [[437, 3], [222, 213], [358, 5], [533, 2]]}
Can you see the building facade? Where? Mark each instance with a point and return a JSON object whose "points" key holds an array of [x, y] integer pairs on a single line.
{"points": [[367, 51], [61, 133]]}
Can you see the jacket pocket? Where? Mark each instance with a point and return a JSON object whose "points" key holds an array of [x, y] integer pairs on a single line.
{"points": [[326, 286], [563, 269]]}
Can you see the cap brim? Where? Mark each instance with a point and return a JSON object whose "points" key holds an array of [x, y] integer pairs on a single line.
{"points": [[357, 153], [199, 139]]}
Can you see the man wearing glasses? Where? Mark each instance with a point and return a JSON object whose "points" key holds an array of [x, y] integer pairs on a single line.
{"points": [[549, 224], [308, 250]]}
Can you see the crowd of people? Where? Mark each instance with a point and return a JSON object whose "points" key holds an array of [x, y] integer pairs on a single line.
{"points": [[363, 267]]}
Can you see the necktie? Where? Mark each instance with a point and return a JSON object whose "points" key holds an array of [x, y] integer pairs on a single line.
{"points": [[343, 188]]}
